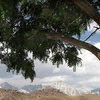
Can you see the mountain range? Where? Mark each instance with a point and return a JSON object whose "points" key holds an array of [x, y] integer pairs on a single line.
{"points": [[7, 86], [61, 86]]}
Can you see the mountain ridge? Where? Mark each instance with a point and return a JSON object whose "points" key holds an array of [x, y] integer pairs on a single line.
{"points": [[45, 94], [66, 89], [61, 86], [7, 86]]}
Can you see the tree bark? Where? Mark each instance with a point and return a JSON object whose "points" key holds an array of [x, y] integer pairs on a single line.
{"points": [[77, 43], [88, 9]]}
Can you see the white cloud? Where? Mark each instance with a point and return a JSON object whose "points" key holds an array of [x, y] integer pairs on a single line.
{"points": [[53, 79], [97, 45], [92, 27], [56, 70], [1, 80]]}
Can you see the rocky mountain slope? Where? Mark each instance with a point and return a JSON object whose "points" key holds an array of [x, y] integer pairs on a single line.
{"points": [[6, 85], [45, 94], [13, 95], [61, 86]]}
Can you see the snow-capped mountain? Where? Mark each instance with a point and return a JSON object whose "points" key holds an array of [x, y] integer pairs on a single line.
{"points": [[63, 87], [6, 85], [96, 91], [23, 91], [31, 88], [66, 89]]}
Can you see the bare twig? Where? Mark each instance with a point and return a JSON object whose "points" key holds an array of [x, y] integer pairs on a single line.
{"points": [[92, 33]]}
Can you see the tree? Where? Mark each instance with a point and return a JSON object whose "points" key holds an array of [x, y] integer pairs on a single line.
{"points": [[89, 9], [44, 28]]}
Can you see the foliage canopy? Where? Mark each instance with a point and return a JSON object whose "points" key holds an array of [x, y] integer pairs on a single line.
{"points": [[24, 25]]}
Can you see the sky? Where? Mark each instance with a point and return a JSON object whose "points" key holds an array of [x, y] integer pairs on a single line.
{"points": [[86, 77]]}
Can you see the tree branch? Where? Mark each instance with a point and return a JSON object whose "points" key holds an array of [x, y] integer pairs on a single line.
{"points": [[75, 42], [92, 34], [88, 9]]}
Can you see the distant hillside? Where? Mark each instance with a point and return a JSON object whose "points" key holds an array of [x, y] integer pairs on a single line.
{"points": [[38, 95], [45, 94], [6, 85], [96, 91], [31, 88], [49, 91], [59, 85], [65, 88], [13, 95]]}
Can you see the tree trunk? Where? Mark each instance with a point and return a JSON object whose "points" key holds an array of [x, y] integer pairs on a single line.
{"points": [[77, 43], [88, 9]]}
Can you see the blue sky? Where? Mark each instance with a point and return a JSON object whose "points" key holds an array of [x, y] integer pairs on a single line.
{"points": [[96, 37], [85, 77]]}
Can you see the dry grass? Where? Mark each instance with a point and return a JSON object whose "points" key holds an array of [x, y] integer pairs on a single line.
{"points": [[43, 95]]}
